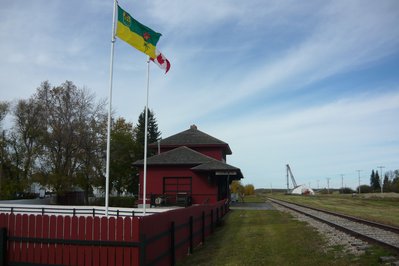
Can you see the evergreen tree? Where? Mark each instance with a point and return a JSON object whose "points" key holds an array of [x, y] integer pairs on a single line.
{"points": [[372, 179], [387, 184], [153, 133], [375, 181]]}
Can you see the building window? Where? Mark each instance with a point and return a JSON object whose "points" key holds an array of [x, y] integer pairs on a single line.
{"points": [[175, 185]]}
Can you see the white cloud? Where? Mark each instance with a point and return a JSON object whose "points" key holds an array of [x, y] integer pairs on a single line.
{"points": [[237, 70], [344, 37], [331, 139]]}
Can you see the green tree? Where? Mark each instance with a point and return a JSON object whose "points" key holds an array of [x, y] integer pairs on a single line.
{"points": [[364, 189], [387, 184], [375, 181], [123, 176], [153, 133]]}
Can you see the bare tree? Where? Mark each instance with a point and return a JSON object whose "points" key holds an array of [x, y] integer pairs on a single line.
{"points": [[26, 134], [4, 108], [73, 140]]}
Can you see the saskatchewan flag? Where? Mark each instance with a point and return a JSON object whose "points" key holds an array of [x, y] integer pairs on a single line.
{"points": [[136, 34]]}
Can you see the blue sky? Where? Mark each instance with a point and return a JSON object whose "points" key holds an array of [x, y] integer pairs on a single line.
{"points": [[312, 84]]}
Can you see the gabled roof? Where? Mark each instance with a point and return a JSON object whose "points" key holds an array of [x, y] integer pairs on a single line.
{"points": [[214, 165], [186, 156], [178, 156], [192, 137]]}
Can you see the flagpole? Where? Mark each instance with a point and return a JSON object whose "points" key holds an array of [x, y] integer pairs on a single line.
{"points": [[111, 69], [145, 139]]}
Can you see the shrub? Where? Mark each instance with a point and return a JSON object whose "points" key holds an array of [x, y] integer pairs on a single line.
{"points": [[347, 190], [364, 189]]}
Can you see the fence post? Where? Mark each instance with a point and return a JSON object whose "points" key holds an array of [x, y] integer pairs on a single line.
{"points": [[211, 221], [3, 246], [172, 244], [191, 234], [203, 227], [217, 217], [143, 246]]}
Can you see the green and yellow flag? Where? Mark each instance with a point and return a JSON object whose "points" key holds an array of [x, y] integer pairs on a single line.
{"points": [[136, 34]]}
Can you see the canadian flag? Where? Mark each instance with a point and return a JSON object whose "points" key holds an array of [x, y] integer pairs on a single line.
{"points": [[161, 61]]}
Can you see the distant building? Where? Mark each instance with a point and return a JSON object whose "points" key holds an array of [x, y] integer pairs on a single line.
{"points": [[302, 190], [189, 168]]}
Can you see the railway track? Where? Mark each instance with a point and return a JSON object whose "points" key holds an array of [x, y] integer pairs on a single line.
{"points": [[377, 233]]}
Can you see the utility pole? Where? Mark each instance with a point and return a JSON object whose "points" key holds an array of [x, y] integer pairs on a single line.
{"points": [[381, 178], [328, 185], [317, 184], [288, 183], [342, 183], [358, 173]]}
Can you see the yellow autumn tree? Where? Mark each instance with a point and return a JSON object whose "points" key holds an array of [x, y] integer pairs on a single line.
{"points": [[249, 189], [235, 186]]}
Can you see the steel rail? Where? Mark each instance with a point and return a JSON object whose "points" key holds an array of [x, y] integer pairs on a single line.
{"points": [[394, 231]]}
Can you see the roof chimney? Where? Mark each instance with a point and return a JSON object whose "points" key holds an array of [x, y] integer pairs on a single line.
{"points": [[193, 127]]}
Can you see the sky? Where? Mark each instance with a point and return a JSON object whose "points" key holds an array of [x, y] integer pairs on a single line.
{"points": [[312, 84]]}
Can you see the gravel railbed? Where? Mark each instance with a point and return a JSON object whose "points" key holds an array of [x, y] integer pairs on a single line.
{"points": [[371, 232], [332, 236]]}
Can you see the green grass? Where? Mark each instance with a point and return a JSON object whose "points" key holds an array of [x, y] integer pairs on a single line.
{"points": [[257, 198], [383, 210], [270, 238]]}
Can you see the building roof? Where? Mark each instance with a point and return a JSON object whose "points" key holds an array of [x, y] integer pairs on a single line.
{"points": [[219, 169], [186, 156], [178, 156], [192, 137]]}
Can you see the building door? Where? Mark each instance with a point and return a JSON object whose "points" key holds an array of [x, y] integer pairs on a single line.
{"points": [[177, 185], [222, 188]]}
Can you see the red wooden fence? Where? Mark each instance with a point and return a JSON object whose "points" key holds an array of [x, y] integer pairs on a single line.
{"points": [[158, 239]]}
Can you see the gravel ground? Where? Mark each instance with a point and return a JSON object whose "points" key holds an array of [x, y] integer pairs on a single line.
{"points": [[332, 236]]}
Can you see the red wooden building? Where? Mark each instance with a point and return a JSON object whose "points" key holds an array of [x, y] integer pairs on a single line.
{"points": [[190, 167]]}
